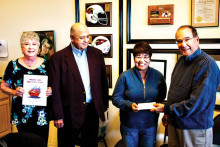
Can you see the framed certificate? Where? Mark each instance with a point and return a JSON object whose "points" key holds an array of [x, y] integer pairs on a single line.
{"points": [[35, 87], [205, 13]]}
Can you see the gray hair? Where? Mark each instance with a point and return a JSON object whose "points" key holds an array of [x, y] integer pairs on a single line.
{"points": [[29, 35]]}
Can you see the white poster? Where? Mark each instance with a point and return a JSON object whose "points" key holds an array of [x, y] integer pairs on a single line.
{"points": [[35, 87]]}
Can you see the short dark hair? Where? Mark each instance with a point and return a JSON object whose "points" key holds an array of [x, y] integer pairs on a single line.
{"points": [[193, 29], [142, 47]]}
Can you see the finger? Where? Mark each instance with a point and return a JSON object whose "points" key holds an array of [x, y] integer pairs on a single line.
{"points": [[152, 110]]}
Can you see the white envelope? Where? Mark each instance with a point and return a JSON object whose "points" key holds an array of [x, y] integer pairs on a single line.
{"points": [[146, 106]]}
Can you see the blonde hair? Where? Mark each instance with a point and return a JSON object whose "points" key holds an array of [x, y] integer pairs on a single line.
{"points": [[29, 35]]}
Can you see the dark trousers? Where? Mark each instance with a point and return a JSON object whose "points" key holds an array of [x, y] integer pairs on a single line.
{"points": [[86, 136]]}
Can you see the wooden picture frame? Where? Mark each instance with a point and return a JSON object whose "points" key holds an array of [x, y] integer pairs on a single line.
{"points": [[109, 75], [160, 14], [205, 13], [98, 14], [47, 44], [102, 42]]}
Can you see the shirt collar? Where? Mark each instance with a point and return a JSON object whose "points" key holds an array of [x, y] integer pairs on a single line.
{"points": [[77, 51], [193, 56]]}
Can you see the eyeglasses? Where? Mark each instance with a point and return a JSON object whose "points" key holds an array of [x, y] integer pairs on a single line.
{"points": [[186, 40], [139, 57]]}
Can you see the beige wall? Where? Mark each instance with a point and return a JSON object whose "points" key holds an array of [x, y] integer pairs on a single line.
{"points": [[34, 15], [39, 15]]}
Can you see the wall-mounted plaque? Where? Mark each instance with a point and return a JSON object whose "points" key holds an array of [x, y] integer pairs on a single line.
{"points": [[160, 14], [98, 14], [205, 13], [102, 42]]}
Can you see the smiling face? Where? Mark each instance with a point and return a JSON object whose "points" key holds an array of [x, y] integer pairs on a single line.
{"points": [[45, 48], [142, 61], [30, 48], [186, 43]]}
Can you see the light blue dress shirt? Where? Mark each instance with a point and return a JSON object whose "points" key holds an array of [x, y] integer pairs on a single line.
{"points": [[82, 63]]}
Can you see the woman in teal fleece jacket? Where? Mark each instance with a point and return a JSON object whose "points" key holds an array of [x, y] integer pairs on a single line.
{"points": [[140, 84]]}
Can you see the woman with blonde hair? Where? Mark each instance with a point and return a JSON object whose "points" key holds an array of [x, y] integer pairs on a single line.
{"points": [[27, 118]]}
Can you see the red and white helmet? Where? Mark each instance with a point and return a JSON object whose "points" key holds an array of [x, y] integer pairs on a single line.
{"points": [[96, 14], [102, 43]]}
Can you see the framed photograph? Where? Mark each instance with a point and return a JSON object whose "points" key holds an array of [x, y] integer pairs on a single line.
{"points": [[160, 65], [205, 13], [47, 45], [109, 75], [99, 14], [160, 14], [102, 42]]}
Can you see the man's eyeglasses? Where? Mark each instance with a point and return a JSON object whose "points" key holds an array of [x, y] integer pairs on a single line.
{"points": [[186, 40]]}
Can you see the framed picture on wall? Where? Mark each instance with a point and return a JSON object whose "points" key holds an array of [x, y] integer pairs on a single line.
{"points": [[109, 75], [3, 48], [99, 14], [47, 46], [160, 65], [205, 13], [160, 14], [102, 42]]}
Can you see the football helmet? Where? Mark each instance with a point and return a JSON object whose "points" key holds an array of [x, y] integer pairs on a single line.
{"points": [[102, 43], [96, 14]]}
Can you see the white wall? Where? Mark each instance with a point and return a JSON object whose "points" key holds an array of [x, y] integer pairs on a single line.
{"points": [[34, 15]]}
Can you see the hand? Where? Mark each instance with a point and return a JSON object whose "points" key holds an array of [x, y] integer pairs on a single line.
{"points": [[164, 120], [59, 123], [134, 107], [49, 91], [159, 108], [19, 91]]}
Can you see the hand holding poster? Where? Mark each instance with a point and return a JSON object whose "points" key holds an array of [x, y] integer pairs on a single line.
{"points": [[35, 87]]}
